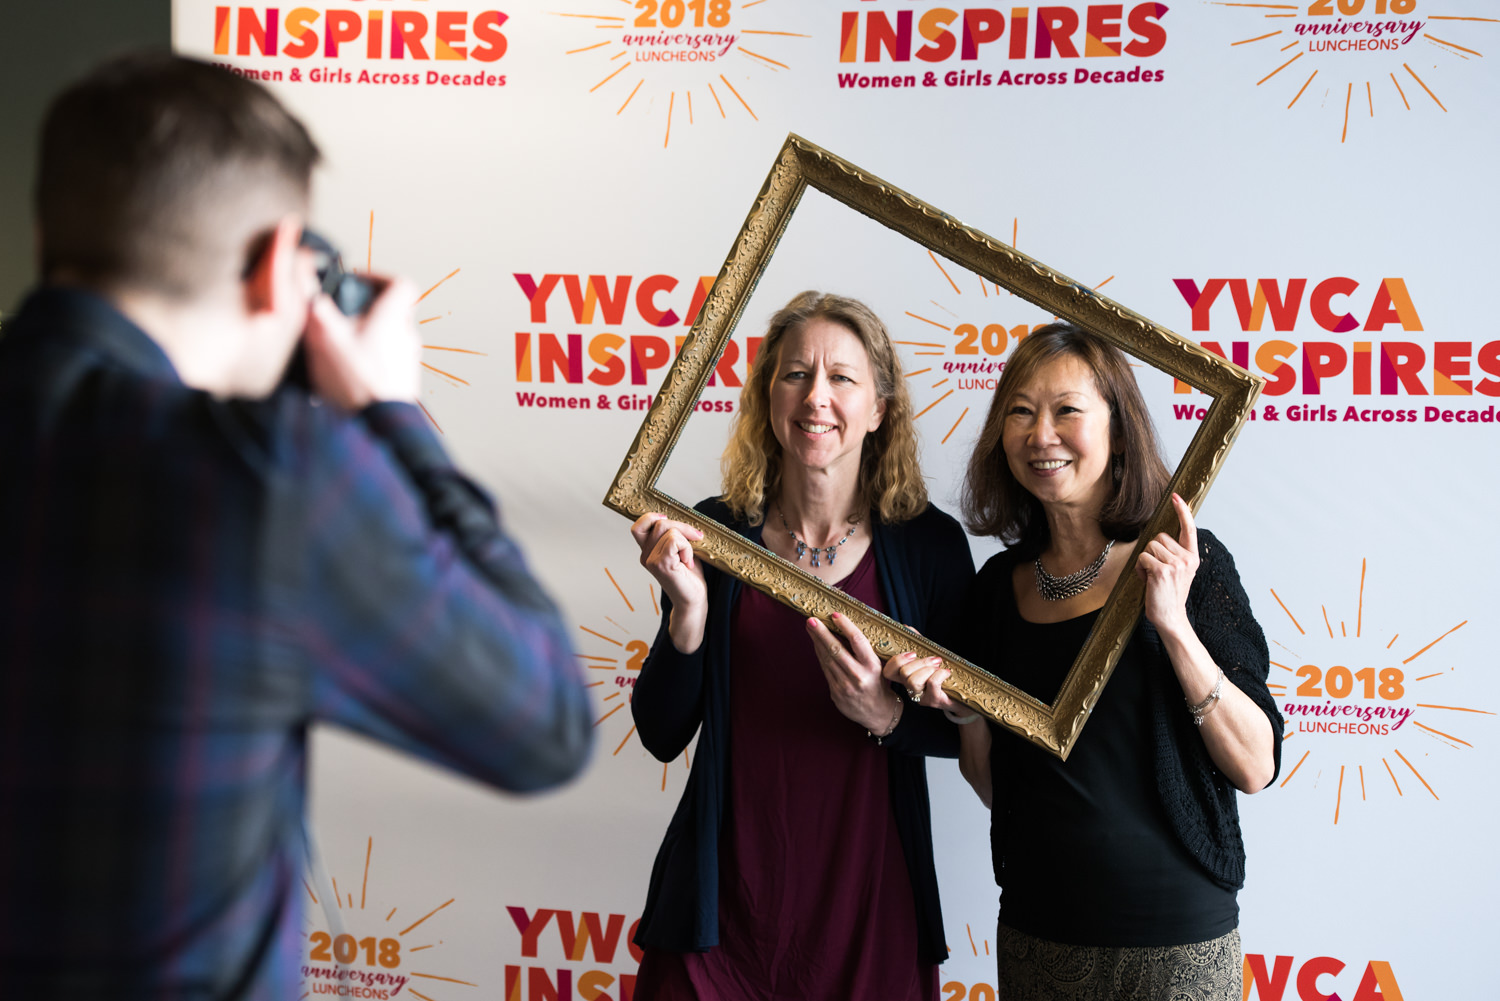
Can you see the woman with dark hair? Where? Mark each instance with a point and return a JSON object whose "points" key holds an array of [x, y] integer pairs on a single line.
{"points": [[799, 861], [1118, 867]]}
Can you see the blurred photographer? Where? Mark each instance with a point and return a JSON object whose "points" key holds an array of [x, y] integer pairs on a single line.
{"points": [[197, 560]]}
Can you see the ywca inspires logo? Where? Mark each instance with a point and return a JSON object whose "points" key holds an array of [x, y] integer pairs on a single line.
{"points": [[563, 361], [680, 62], [393, 45], [1370, 353], [1377, 982], [985, 47], [1373, 706], [553, 971], [1370, 58]]}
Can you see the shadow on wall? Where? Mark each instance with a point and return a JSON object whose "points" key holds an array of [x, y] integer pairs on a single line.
{"points": [[42, 47]]}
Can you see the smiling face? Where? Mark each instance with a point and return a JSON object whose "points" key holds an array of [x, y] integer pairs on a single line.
{"points": [[823, 398], [1057, 437]]}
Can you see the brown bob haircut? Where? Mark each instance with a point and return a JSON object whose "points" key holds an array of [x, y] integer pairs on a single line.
{"points": [[163, 174], [890, 477], [995, 503]]}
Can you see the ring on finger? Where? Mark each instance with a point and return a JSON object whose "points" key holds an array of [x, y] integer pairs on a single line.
{"points": [[915, 694]]}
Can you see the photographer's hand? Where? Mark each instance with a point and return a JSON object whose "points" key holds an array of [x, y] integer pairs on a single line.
{"points": [[355, 361]]}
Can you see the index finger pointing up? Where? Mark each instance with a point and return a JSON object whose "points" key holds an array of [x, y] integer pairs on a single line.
{"points": [[1187, 536]]}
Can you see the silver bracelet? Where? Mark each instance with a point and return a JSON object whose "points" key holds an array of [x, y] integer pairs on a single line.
{"points": [[895, 718], [1205, 707]]}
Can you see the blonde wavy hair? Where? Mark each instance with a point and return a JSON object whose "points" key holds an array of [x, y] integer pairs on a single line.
{"points": [[890, 477]]}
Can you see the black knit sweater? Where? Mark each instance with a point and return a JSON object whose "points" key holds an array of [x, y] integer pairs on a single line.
{"points": [[1200, 802]]}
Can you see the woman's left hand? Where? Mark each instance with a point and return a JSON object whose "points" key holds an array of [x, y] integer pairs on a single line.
{"points": [[1235, 731], [1167, 566], [853, 672]]}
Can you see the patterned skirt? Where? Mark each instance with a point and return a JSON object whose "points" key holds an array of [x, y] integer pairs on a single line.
{"points": [[1034, 969]]}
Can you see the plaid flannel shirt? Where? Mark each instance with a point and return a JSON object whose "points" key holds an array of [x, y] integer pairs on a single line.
{"points": [[185, 585]]}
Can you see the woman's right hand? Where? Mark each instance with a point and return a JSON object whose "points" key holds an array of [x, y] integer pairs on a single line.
{"points": [[667, 552], [923, 678]]}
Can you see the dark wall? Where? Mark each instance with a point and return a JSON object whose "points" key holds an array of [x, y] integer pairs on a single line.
{"points": [[43, 45]]}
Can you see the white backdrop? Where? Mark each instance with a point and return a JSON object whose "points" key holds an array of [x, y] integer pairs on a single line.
{"points": [[563, 174]]}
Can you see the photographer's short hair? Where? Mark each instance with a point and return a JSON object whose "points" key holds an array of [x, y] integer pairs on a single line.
{"points": [[163, 174]]}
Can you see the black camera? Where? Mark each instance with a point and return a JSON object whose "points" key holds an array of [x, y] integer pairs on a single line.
{"points": [[351, 293]]}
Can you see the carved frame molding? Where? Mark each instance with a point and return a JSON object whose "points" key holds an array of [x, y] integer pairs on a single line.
{"points": [[799, 165]]}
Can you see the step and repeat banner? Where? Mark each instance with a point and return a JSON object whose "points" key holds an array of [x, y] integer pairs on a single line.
{"points": [[1305, 188]]}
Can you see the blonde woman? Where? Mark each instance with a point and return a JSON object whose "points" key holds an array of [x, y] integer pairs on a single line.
{"points": [[799, 861]]}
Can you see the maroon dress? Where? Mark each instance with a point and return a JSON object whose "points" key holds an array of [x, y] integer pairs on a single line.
{"points": [[815, 900]]}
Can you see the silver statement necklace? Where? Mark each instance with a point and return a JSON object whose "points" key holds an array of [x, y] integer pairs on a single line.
{"points": [[817, 551], [1057, 588]]}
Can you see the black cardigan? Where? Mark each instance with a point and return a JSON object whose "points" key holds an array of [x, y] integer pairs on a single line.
{"points": [[924, 566], [1200, 802]]}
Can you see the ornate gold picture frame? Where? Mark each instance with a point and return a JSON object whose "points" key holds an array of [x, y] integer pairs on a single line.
{"points": [[800, 165]]}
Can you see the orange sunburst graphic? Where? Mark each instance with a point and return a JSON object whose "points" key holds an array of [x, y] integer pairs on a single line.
{"points": [[1364, 708], [618, 645], [957, 341], [980, 947], [1360, 59], [974, 945], [680, 62], [426, 315], [382, 946]]}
